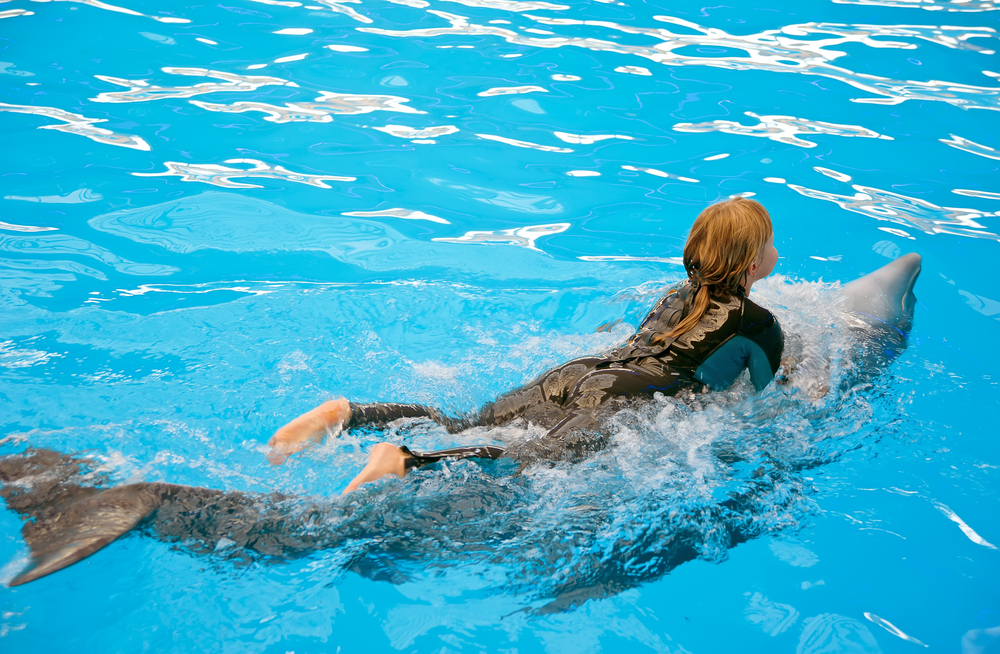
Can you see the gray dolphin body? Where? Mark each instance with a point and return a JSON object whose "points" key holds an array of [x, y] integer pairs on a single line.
{"points": [[69, 517], [885, 297]]}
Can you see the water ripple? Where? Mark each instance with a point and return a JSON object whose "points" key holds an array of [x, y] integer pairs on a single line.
{"points": [[522, 144], [290, 113], [659, 173], [634, 70], [12, 13], [10, 227], [830, 632], [893, 629], [404, 132], [223, 176], [511, 90], [121, 10], [338, 6], [523, 236], [278, 3], [986, 195], [772, 617], [969, 146], [582, 139], [510, 5], [345, 48], [320, 110], [62, 244], [510, 200], [141, 91], [969, 532], [906, 211], [771, 50], [81, 125], [782, 129], [929, 5], [405, 214]]}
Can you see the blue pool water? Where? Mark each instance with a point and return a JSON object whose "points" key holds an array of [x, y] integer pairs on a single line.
{"points": [[216, 216]]}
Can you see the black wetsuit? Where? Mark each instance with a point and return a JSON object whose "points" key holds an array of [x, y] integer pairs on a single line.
{"points": [[734, 335]]}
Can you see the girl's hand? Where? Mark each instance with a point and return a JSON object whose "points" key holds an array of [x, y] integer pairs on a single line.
{"points": [[309, 428]]}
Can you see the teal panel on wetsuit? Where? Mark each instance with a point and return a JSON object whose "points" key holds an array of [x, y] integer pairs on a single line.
{"points": [[724, 365]]}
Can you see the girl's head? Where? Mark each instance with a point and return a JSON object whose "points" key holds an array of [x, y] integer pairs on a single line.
{"points": [[731, 246]]}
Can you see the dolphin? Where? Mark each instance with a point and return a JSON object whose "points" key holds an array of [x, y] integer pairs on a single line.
{"points": [[69, 514]]}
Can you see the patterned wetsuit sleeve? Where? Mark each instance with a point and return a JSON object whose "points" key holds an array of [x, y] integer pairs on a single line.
{"points": [[539, 399]]}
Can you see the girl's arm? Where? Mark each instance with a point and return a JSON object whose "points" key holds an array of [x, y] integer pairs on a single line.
{"points": [[308, 428], [335, 415]]}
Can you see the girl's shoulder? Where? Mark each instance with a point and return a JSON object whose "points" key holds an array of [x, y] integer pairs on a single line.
{"points": [[754, 314]]}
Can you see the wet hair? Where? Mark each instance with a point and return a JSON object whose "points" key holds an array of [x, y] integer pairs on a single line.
{"points": [[724, 241]]}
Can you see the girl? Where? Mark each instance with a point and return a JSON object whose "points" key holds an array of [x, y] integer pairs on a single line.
{"points": [[703, 333]]}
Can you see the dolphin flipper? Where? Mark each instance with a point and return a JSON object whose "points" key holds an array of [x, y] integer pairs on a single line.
{"points": [[884, 298]]}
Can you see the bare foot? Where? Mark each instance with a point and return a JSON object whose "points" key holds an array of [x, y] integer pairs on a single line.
{"points": [[329, 417], [385, 459]]}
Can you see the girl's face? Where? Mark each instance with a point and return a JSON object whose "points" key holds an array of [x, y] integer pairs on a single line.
{"points": [[764, 265]]}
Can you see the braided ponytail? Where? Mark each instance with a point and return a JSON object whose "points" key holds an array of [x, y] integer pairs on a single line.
{"points": [[724, 241]]}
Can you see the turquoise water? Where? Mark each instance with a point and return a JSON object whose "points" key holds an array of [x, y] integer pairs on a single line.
{"points": [[214, 217]]}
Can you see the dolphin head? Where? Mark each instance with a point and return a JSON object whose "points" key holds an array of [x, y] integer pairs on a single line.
{"points": [[885, 297], [881, 304]]}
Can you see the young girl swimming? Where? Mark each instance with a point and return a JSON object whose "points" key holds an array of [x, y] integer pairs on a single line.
{"points": [[703, 333]]}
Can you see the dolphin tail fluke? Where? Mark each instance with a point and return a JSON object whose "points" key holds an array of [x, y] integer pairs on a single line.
{"points": [[885, 298], [67, 521], [76, 531]]}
